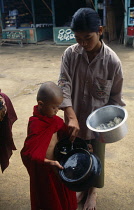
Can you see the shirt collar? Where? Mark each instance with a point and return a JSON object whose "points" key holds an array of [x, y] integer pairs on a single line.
{"points": [[80, 50]]}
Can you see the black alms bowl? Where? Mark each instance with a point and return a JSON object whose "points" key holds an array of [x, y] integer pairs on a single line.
{"points": [[80, 169], [64, 146]]}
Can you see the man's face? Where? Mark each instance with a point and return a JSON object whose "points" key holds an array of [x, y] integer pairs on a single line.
{"points": [[88, 40]]}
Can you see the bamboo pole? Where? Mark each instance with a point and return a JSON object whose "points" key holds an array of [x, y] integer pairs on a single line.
{"points": [[27, 7], [47, 6]]}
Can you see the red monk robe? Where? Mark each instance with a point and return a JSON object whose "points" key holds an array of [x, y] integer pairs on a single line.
{"points": [[6, 138], [46, 189]]}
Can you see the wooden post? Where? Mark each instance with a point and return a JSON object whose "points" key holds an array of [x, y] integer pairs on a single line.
{"points": [[1, 14], [34, 21], [125, 18], [53, 13], [104, 13], [33, 13], [2, 6], [128, 3], [96, 5]]}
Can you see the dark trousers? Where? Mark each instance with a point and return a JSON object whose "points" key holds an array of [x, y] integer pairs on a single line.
{"points": [[99, 151]]}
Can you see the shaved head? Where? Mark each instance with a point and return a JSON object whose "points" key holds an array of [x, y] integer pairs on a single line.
{"points": [[48, 91]]}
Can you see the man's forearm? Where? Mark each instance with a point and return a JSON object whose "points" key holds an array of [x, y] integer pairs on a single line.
{"points": [[69, 112], [72, 122]]}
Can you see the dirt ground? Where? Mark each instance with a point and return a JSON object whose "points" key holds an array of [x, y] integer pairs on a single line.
{"points": [[22, 70]]}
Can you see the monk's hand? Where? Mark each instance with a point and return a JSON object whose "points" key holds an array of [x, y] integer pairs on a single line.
{"points": [[3, 108], [74, 128], [53, 163]]}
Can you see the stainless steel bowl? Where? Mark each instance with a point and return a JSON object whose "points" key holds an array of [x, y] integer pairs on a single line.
{"points": [[104, 115]]}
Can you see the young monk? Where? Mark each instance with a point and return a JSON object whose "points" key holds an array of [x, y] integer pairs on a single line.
{"points": [[44, 127], [91, 77], [7, 118]]}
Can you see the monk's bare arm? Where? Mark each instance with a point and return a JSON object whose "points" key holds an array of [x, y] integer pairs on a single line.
{"points": [[50, 153]]}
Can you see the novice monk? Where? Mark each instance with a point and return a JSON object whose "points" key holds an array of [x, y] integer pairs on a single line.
{"points": [[46, 189]]}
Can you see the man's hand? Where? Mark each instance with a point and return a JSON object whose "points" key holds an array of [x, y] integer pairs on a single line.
{"points": [[74, 128], [53, 163], [72, 122], [3, 108]]}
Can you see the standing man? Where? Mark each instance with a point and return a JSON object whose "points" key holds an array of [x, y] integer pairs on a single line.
{"points": [[91, 77]]}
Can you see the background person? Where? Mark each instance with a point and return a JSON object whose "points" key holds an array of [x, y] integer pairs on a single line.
{"points": [[7, 118]]}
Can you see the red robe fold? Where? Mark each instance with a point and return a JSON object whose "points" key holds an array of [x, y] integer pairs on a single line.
{"points": [[47, 191], [6, 138]]}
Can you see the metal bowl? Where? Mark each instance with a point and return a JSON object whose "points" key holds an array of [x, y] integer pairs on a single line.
{"points": [[104, 115]]}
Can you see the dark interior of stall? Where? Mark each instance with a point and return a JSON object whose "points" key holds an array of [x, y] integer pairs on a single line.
{"points": [[64, 11], [114, 29], [18, 14], [43, 11]]}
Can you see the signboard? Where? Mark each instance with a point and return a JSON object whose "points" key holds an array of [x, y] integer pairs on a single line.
{"points": [[63, 36], [18, 34]]}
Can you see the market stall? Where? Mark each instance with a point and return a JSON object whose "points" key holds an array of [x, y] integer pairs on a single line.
{"points": [[31, 21], [129, 23], [26, 20]]}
